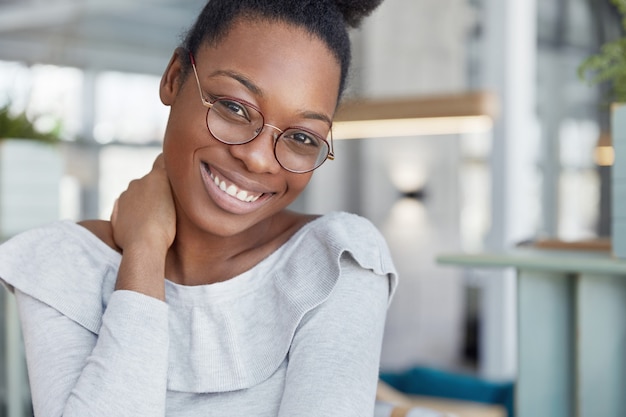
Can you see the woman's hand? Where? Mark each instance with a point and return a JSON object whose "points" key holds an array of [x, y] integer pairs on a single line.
{"points": [[144, 214], [144, 227]]}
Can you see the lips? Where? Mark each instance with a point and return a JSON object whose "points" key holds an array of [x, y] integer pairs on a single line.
{"points": [[232, 189]]}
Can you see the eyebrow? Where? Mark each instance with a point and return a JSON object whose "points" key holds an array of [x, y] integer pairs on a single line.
{"points": [[317, 116], [256, 90], [242, 79]]}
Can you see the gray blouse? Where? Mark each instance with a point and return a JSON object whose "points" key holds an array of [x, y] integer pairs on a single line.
{"points": [[297, 335]]}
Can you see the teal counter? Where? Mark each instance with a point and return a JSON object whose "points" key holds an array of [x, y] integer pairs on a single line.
{"points": [[571, 330]]}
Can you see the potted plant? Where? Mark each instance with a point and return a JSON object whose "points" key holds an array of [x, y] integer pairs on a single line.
{"points": [[609, 66], [21, 127], [31, 168]]}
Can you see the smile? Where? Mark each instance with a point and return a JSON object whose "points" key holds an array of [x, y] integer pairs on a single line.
{"points": [[234, 191]]}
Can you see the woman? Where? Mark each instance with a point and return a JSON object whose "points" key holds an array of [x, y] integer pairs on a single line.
{"points": [[262, 311]]}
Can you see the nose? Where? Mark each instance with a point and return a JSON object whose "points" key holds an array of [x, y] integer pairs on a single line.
{"points": [[258, 154]]}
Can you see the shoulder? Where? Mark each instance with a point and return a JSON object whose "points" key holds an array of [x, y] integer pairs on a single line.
{"points": [[349, 232], [102, 230], [61, 245], [63, 265], [48, 239], [322, 244], [342, 220]]}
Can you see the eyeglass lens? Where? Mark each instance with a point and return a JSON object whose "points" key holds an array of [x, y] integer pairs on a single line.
{"points": [[296, 150]]}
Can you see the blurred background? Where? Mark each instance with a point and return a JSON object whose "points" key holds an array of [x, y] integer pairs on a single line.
{"points": [[88, 71]]}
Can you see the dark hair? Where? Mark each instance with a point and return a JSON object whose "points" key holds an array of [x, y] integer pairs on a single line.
{"points": [[328, 20]]}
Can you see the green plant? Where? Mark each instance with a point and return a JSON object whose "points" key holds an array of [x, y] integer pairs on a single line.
{"points": [[20, 127], [609, 65]]}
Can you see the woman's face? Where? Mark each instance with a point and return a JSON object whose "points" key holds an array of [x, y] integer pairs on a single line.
{"points": [[291, 76]]}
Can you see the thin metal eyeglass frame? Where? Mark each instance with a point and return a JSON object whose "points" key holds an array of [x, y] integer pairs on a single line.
{"points": [[209, 106]]}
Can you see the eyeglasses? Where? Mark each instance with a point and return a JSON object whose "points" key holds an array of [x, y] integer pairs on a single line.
{"points": [[235, 122]]}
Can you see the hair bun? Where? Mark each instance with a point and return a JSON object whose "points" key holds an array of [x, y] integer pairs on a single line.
{"points": [[354, 11]]}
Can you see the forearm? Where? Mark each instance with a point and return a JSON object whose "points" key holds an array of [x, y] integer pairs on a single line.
{"points": [[144, 226], [122, 371]]}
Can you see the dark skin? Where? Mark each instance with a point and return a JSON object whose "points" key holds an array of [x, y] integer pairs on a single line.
{"points": [[173, 222]]}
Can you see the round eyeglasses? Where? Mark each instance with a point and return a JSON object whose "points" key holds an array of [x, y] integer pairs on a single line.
{"points": [[235, 122]]}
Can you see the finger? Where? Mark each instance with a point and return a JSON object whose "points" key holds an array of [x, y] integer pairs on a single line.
{"points": [[159, 162], [114, 212]]}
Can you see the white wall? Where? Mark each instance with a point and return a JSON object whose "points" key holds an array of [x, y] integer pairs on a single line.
{"points": [[417, 47]]}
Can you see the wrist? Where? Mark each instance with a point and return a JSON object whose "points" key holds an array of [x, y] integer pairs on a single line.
{"points": [[143, 269], [152, 249]]}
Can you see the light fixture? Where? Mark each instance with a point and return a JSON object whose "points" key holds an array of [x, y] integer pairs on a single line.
{"points": [[471, 112], [604, 154]]}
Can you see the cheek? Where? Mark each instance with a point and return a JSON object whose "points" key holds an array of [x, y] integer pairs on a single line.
{"points": [[186, 124], [185, 132], [298, 182], [179, 143]]}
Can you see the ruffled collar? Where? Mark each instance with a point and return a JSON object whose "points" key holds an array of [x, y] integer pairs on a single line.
{"points": [[225, 336]]}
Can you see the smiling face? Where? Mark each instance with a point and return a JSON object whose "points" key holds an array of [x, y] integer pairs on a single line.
{"points": [[293, 79]]}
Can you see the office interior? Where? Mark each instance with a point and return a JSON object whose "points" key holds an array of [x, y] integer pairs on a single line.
{"points": [[537, 170]]}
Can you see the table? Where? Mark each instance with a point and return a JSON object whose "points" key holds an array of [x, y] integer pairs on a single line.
{"points": [[571, 330]]}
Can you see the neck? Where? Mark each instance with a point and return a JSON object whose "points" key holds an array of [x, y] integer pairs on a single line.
{"points": [[197, 257]]}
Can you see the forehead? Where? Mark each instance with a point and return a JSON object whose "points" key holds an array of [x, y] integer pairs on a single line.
{"points": [[280, 58]]}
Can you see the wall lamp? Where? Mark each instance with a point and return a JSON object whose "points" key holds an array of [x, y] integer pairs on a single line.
{"points": [[604, 154], [464, 113]]}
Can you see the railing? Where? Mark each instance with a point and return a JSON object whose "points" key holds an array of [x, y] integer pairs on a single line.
{"points": [[571, 330]]}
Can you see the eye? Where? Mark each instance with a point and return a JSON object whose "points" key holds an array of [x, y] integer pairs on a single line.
{"points": [[232, 110], [302, 142], [304, 138]]}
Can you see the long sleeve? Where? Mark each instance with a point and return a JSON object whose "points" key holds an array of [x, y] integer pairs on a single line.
{"points": [[297, 335], [334, 360], [122, 371]]}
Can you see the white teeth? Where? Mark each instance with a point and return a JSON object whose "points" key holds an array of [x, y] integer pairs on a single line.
{"points": [[233, 191]]}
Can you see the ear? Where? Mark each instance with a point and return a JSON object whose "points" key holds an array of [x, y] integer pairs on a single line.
{"points": [[172, 78]]}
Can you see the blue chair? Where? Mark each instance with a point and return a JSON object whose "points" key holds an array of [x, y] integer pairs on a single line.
{"points": [[437, 383]]}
